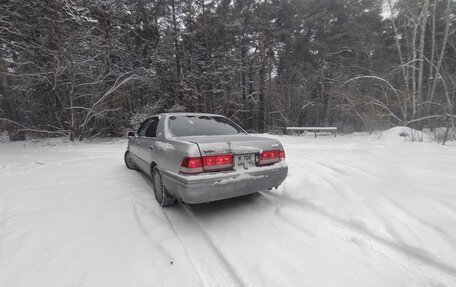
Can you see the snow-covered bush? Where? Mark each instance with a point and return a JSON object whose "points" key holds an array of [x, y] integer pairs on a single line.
{"points": [[145, 112], [151, 109], [177, 108], [408, 134], [444, 134]]}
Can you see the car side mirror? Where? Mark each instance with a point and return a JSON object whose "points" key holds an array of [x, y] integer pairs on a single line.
{"points": [[131, 135]]}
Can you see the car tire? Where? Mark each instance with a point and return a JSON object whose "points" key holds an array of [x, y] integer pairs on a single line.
{"points": [[129, 161], [163, 197]]}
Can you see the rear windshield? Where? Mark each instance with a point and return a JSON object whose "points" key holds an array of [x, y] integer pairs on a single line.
{"points": [[189, 125]]}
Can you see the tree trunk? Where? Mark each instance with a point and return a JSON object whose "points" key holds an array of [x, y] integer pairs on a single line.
{"points": [[244, 91], [9, 105], [413, 69], [442, 53], [424, 14], [404, 69], [262, 76], [250, 92], [208, 59], [431, 61], [176, 47]]}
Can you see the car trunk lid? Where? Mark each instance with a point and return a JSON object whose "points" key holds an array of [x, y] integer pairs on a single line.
{"points": [[233, 144]]}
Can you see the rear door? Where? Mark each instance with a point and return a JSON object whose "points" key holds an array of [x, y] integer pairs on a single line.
{"points": [[135, 143], [147, 143]]}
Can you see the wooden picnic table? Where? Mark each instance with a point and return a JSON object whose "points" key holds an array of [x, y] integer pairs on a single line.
{"points": [[314, 129]]}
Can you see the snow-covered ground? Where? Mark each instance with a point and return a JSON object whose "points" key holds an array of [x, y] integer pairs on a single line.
{"points": [[355, 210]]}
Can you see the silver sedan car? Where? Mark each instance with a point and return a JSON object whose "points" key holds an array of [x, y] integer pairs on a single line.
{"points": [[203, 157]]}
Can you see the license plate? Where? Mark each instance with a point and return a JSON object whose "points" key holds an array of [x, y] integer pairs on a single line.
{"points": [[244, 161]]}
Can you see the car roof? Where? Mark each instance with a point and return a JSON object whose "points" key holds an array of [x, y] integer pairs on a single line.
{"points": [[190, 114]]}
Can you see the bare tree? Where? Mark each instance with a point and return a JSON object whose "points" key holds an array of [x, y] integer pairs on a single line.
{"points": [[8, 104]]}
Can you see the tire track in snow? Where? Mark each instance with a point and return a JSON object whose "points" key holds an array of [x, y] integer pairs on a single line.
{"points": [[443, 233], [333, 182], [383, 245], [409, 251], [342, 169], [442, 206], [146, 223], [209, 263], [37, 165], [206, 259], [348, 172]]}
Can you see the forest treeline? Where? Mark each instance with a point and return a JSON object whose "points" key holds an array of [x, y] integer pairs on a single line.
{"points": [[82, 68]]}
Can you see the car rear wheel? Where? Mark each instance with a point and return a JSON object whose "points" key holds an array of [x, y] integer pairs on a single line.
{"points": [[129, 161], [161, 194]]}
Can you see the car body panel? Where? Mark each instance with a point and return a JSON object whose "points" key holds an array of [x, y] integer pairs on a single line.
{"points": [[223, 185], [167, 153]]}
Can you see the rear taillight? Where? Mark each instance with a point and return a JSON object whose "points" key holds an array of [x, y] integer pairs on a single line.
{"points": [[192, 165], [217, 162], [271, 156]]}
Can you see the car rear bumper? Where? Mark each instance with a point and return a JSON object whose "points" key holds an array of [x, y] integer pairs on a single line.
{"points": [[216, 186]]}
